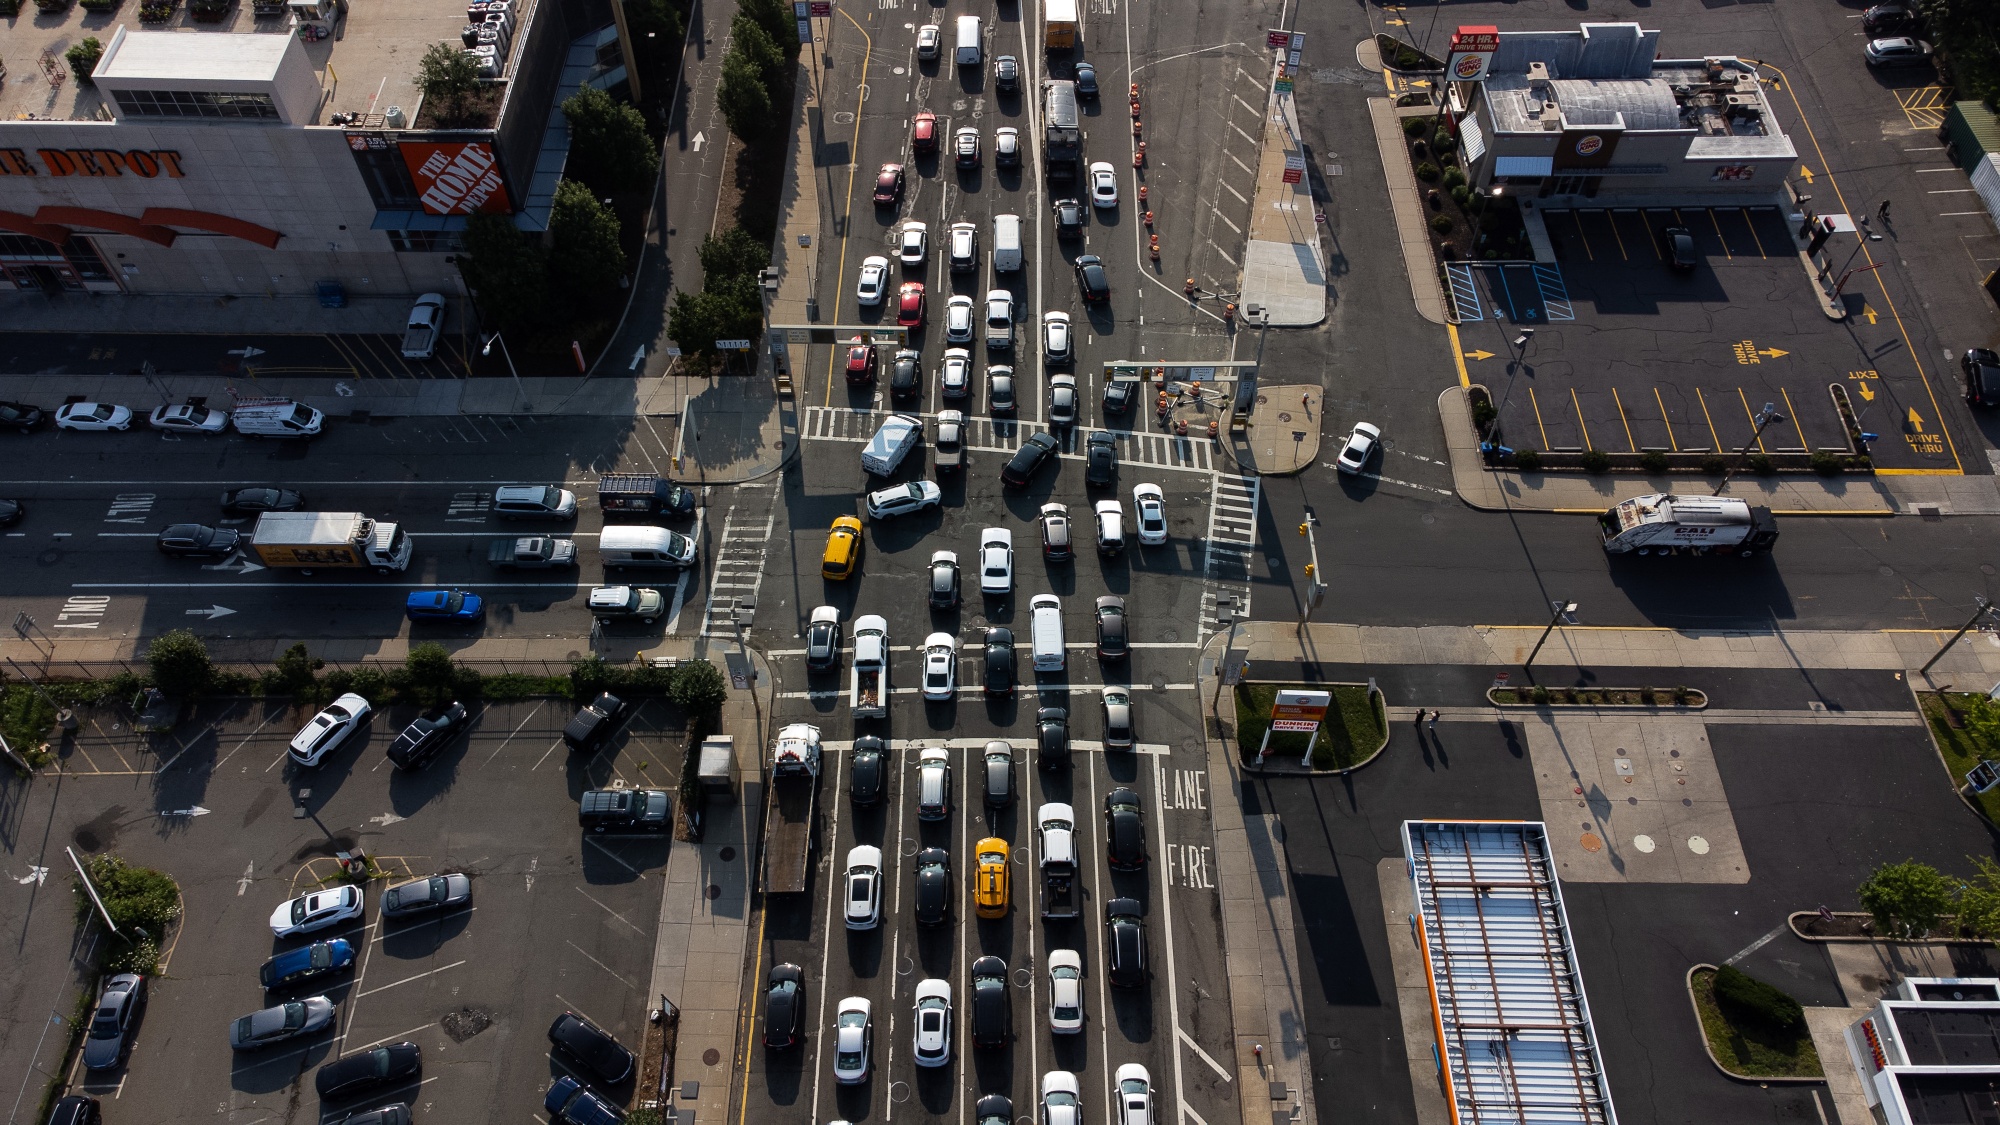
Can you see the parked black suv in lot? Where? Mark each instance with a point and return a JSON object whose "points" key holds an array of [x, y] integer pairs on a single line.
{"points": [[625, 810], [593, 723]]}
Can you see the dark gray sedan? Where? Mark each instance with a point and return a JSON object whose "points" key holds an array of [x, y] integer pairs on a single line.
{"points": [[114, 1021], [421, 896], [277, 1024]]}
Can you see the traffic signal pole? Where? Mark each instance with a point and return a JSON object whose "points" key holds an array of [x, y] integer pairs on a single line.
{"points": [[1315, 589]]}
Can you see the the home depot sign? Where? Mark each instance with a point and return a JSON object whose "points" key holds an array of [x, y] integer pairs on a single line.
{"points": [[145, 163], [456, 178]]}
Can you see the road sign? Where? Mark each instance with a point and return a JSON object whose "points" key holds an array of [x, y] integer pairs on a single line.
{"points": [[1983, 776], [1278, 38], [1301, 726], [1295, 168], [1298, 48], [822, 9], [1284, 85], [1307, 706], [732, 345]]}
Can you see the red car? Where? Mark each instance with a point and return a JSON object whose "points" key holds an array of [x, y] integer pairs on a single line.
{"points": [[889, 184], [910, 304], [923, 132], [860, 362]]}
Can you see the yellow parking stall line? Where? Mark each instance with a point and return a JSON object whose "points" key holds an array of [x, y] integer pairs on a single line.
{"points": [[1652, 236], [1629, 443], [1753, 232], [1726, 255], [1612, 221], [1752, 417], [1667, 420], [1703, 399], [1579, 419], [1576, 216], [1794, 415], [1538, 417]]}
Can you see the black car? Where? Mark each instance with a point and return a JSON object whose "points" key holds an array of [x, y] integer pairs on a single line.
{"points": [[999, 774], [252, 500], [1892, 19], [423, 738], [11, 512], [993, 1109], [1982, 376], [906, 376], [992, 1012], [20, 416], [1680, 247], [865, 771], [391, 1062], [1007, 74], [944, 580], [1112, 642], [593, 723], [592, 1046], [784, 1007], [1124, 830], [112, 1024], [199, 541], [1119, 395], [1125, 943], [1000, 664], [426, 895], [1092, 280], [1069, 218], [398, 1114], [1039, 449], [1086, 80], [625, 810], [823, 642], [934, 889], [77, 1109], [1100, 459], [1052, 735]]}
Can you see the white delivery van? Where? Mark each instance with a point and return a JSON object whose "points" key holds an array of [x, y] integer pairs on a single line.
{"points": [[969, 41], [898, 434], [1006, 243], [634, 546], [1045, 632], [276, 417], [1110, 527]]}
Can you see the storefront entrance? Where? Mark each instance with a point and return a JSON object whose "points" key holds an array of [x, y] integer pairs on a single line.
{"points": [[36, 266]]}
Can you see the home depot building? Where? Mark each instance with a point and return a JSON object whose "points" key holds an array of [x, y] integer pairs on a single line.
{"points": [[275, 150]]}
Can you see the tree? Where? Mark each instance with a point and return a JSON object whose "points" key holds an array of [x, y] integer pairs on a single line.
{"points": [[180, 663], [728, 309], [446, 73], [733, 253], [294, 672], [754, 43], [775, 17], [745, 100], [697, 688], [83, 59], [1907, 898], [508, 275], [585, 260], [1746, 998], [608, 147]]}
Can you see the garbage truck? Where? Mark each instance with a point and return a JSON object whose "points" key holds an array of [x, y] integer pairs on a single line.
{"points": [[1660, 523]]}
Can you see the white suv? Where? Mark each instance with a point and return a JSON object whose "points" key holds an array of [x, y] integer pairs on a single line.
{"points": [[999, 319], [904, 499], [864, 887]]}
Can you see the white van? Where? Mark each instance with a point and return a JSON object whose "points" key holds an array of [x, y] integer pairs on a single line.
{"points": [[639, 545], [1006, 243], [898, 434], [970, 42], [1110, 527], [276, 417], [1045, 632]]}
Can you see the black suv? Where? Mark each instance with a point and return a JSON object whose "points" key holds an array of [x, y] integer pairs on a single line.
{"points": [[1007, 74], [1982, 376], [593, 723], [1000, 662], [1125, 943], [783, 1007], [1036, 451], [934, 888], [992, 1014], [1069, 218], [199, 541], [423, 738], [1100, 459], [1092, 280], [593, 1046], [625, 810], [1124, 830], [1052, 736], [864, 771], [906, 377], [24, 418]]}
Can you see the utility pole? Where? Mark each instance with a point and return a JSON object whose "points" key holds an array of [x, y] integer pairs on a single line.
{"points": [[1315, 589], [1985, 606], [1225, 618], [1516, 360], [1564, 612], [1761, 419], [520, 393]]}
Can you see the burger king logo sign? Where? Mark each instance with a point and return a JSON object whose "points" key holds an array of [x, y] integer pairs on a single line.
{"points": [[1469, 66], [1589, 145]]}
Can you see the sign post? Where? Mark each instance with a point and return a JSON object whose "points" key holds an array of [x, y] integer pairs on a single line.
{"points": [[1299, 711]]}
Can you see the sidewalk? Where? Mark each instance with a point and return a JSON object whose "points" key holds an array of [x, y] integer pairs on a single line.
{"points": [[1406, 204], [1284, 269], [172, 314], [1283, 435], [534, 655]]}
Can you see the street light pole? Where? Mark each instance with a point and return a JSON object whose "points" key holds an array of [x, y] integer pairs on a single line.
{"points": [[1762, 419], [1225, 616], [1315, 590], [520, 393], [1518, 351], [1562, 609], [1985, 606]]}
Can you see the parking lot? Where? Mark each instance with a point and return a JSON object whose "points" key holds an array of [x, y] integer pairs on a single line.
{"points": [[556, 921], [1628, 354]]}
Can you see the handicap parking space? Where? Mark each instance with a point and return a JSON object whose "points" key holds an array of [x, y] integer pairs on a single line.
{"points": [[1611, 348]]}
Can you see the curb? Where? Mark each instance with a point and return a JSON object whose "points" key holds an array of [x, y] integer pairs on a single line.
{"points": [[1916, 700], [1792, 921], [1647, 708], [1702, 1033], [1425, 293]]}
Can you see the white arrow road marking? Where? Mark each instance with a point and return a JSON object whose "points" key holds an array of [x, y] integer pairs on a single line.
{"points": [[235, 564], [35, 875], [699, 140], [1393, 480], [638, 357], [385, 820], [192, 811], [247, 353], [211, 612], [249, 874]]}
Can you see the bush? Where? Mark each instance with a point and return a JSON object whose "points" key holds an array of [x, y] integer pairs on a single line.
{"points": [[26, 719], [1596, 461], [1907, 898], [1415, 126], [1443, 141], [1454, 177], [295, 672], [1826, 463], [1538, 695], [447, 75], [430, 676], [1527, 460], [1459, 194], [366, 681], [1745, 998], [1442, 224], [137, 898], [1427, 171], [1483, 414], [1715, 464], [83, 59], [180, 664], [1762, 465], [1654, 461], [697, 688]]}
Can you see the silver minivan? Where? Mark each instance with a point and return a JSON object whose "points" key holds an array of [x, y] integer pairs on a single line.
{"points": [[645, 546], [1046, 632], [934, 785], [1110, 527], [970, 42]]}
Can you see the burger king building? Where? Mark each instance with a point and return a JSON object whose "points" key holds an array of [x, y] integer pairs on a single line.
{"points": [[279, 147], [1596, 114]]}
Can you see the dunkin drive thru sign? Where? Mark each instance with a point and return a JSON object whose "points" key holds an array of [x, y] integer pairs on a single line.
{"points": [[1472, 53], [456, 177]]}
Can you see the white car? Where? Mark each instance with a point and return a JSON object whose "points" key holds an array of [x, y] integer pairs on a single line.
{"points": [[940, 667], [903, 499], [864, 887], [1135, 1095], [958, 320], [999, 319], [915, 244], [188, 419], [1117, 704], [1062, 400], [1065, 991], [928, 38], [853, 1039], [1103, 185], [996, 562], [1150, 508], [329, 729], [316, 911], [1062, 1097], [93, 416], [1007, 147], [874, 280], [933, 1027], [955, 377], [963, 247], [1359, 448], [1056, 342], [965, 147]]}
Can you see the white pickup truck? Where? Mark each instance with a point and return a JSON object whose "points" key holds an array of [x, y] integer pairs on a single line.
{"points": [[868, 690], [426, 324]]}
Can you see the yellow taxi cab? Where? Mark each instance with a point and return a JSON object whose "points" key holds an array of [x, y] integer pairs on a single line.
{"points": [[843, 550], [989, 880]]}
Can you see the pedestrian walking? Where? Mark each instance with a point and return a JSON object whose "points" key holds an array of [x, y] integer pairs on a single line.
{"points": [[1882, 212], [1433, 723]]}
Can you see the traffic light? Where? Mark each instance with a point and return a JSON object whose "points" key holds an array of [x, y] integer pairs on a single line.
{"points": [[1304, 526], [1310, 568]]}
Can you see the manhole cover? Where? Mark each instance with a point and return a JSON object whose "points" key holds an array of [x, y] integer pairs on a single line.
{"points": [[1591, 843], [1170, 635], [1284, 415], [727, 853], [1986, 568], [1262, 399], [712, 1056], [1632, 800], [1886, 571], [466, 1023], [1697, 845], [1644, 844], [714, 892]]}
